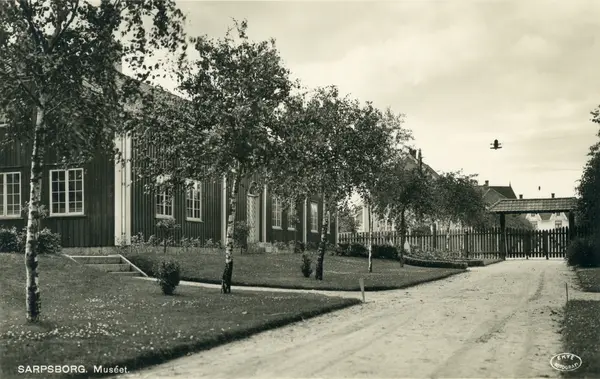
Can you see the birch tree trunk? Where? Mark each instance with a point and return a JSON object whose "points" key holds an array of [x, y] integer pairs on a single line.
{"points": [[448, 236], [228, 272], [323, 242], [402, 235], [370, 238], [33, 299]]}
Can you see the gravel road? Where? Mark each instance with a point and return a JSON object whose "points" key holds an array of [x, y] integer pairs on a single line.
{"points": [[496, 321]]}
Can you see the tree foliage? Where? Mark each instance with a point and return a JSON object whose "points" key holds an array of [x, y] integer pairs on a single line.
{"points": [[588, 188], [235, 92], [458, 200], [60, 93]]}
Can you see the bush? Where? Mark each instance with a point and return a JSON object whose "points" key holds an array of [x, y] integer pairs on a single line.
{"points": [[280, 246], [582, 252], [385, 252], [13, 241], [431, 263], [357, 250], [9, 240], [48, 242], [168, 274], [306, 266], [299, 247], [241, 230]]}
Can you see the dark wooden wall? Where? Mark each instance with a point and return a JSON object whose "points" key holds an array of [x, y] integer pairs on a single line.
{"points": [[96, 227]]}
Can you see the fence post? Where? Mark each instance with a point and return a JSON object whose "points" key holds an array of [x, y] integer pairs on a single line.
{"points": [[527, 244], [434, 242], [466, 243], [545, 243]]}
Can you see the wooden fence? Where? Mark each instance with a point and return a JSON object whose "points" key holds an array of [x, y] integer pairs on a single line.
{"points": [[474, 243]]}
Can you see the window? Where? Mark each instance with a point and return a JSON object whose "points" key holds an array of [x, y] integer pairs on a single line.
{"points": [[10, 194], [276, 213], [328, 223], [558, 224], [534, 224], [193, 201], [291, 223], [314, 218], [66, 192], [164, 200]]}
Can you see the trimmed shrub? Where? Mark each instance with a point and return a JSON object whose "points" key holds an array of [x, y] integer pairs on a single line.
{"points": [[9, 240], [306, 266], [582, 252], [430, 263], [168, 274], [13, 241], [357, 250], [385, 252], [48, 242]]}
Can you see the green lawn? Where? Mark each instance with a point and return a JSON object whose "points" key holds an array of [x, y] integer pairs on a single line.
{"points": [[283, 270], [589, 279], [581, 336], [92, 318], [581, 327]]}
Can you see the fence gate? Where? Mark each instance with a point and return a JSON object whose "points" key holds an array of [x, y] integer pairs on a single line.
{"points": [[537, 243]]}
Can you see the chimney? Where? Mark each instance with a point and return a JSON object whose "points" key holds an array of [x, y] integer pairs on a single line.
{"points": [[487, 183], [520, 196], [553, 195]]}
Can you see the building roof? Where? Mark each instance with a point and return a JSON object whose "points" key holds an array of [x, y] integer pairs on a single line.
{"points": [[505, 191], [491, 196], [560, 204]]}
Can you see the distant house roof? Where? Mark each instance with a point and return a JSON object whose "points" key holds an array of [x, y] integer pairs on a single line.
{"points": [[491, 196], [562, 204], [545, 216], [505, 191]]}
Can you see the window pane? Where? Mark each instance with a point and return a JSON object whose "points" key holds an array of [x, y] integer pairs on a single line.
{"points": [[77, 174]]}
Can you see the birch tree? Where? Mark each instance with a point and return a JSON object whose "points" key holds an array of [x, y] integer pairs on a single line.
{"points": [[59, 88], [236, 90], [404, 189], [382, 137]]}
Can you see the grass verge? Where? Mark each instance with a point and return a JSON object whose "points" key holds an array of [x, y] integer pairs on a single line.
{"points": [[283, 271], [92, 318], [589, 278], [581, 333]]}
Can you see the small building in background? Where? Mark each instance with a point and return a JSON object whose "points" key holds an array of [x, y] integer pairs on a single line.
{"points": [[548, 221]]}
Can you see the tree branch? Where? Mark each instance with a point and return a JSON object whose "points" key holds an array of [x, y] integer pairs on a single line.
{"points": [[37, 35], [60, 28]]}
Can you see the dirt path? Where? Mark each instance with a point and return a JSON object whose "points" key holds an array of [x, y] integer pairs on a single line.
{"points": [[496, 321]]}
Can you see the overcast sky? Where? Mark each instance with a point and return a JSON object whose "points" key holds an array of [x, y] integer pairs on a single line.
{"points": [[463, 72]]}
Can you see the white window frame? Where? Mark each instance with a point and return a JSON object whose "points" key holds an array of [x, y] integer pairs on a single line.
{"points": [[159, 180], [276, 213], [4, 190], [556, 224], [67, 211], [196, 191], [314, 217], [292, 211]]}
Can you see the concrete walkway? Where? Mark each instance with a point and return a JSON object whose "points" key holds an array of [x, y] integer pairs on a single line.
{"points": [[496, 321]]}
